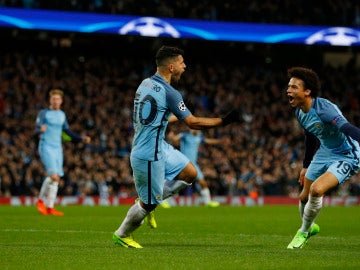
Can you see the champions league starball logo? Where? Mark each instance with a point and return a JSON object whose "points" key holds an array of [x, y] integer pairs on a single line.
{"points": [[149, 27], [336, 36], [182, 106]]}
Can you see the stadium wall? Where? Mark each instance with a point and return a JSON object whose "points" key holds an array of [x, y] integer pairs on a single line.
{"points": [[179, 201]]}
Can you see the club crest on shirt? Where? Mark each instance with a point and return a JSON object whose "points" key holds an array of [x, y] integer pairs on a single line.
{"points": [[182, 106], [318, 126]]}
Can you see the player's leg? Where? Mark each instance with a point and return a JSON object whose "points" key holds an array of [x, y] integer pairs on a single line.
{"points": [[324, 183], [314, 171], [52, 160], [338, 172], [42, 199], [150, 217], [52, 194], [301, 237], [204, 189], [205, 194], [187, 176], [44, 189], [146, 174], [56, 172], [312, 209], [179, 171], [304, 195], [134, 218]]}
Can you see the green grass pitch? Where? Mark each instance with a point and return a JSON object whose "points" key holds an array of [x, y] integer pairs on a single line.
{"points": [[186, 238]]}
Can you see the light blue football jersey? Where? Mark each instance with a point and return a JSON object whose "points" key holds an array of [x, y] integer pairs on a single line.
{"points": [[190, 143], [154, 102], [338, 153], [55, 121], [50, 144], [324, 121]]}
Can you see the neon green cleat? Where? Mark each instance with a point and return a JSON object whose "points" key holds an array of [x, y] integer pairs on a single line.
{"points": [[213, 204], [165, 204], [127, 242], [299, 241], [314, 229], [150, 220]]}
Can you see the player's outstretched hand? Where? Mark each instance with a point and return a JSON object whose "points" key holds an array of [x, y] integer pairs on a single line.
{"points": [[234, 116]]}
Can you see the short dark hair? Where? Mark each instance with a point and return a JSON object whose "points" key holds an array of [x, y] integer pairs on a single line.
{"points": [[308, 76], [165, 53]]}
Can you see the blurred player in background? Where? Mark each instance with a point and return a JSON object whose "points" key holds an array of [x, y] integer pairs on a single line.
{"points": [[332, 150], [51, 126], [155, 100], [189, 143]]}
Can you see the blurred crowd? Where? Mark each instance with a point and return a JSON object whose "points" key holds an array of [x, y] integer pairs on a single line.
{"points": [[303, 12], [261, 156]]}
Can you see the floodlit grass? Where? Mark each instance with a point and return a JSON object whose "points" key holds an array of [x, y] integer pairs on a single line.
{"points": [[186, 238]]}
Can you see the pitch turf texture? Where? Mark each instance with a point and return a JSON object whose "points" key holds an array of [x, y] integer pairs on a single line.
{"points": [[186, 238]]}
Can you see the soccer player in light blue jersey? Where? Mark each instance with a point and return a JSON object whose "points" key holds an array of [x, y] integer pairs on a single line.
{"points": [[189, 143], [332, 149], [51, 125], [155, 100]]}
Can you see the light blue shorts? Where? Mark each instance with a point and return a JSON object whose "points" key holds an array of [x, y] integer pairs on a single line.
{"points": [[52, 159], [342, 166], [175, 162], [149, 179]]}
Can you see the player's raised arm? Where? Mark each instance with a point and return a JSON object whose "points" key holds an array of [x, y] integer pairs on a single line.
{"points": [[195, 122]]}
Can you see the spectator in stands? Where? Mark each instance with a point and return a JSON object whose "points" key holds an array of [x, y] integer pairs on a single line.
{"points": [[326, 12], [90, 108]]}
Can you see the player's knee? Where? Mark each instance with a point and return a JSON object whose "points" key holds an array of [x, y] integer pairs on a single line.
{"points": [[190, 179], [316, 191], [189, 174], [55, 178]]}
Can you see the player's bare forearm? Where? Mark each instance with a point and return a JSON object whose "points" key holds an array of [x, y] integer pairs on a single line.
{"points": [[202, 122], [172, 118]]}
